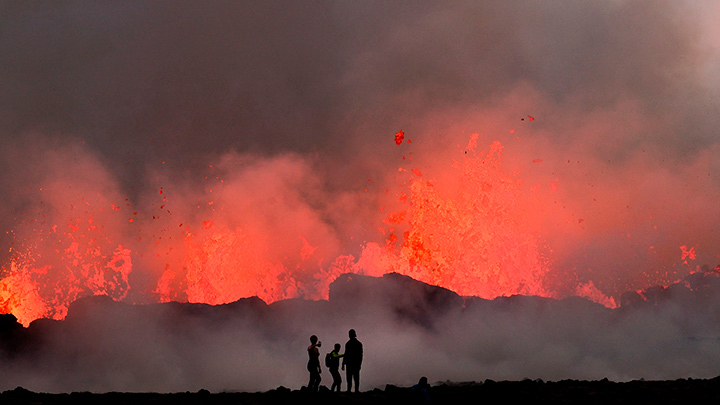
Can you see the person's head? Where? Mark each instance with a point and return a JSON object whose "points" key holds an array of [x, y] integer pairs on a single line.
{"points": [[337, 347], [313, 339], [423, 381], [352, 333]]}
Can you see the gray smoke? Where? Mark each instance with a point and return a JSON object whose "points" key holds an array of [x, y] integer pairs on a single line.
{"points": [[407, 329]]}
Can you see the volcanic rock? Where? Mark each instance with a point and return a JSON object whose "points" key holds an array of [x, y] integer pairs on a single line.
{"points": [[697, 290], [561, 392], [158, 344], [410, 300]]}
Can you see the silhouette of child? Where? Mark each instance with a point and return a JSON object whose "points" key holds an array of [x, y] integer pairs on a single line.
{"points": [[334, 365]]}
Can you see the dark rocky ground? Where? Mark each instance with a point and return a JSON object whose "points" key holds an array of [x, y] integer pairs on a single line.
{"points": [[98, 342], [683, 391]]}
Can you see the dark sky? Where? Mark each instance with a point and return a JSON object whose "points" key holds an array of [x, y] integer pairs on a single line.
{"points": [[182, 80], [125, 97]]}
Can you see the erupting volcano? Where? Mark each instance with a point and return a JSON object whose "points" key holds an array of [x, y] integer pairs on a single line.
{"points": [[480, 189], [164, 152], [468, 231], [473, 241]]}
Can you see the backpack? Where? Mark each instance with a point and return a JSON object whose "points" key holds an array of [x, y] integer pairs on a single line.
{"points": [[328, 360]]}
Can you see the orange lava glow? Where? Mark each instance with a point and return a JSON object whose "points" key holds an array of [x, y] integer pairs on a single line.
{"points": [[61, 265], [223, 267], [471, 237], [473, 240]]}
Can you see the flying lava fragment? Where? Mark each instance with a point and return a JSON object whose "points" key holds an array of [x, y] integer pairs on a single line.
{"points": [[399, 137]]}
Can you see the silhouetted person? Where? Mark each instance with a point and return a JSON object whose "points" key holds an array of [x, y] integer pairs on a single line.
{"points": [[333, 363], [353, 360], [313, 365], [422, 388]]}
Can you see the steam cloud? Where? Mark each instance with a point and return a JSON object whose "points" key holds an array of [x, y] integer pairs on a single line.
{"points": [[407, 330], [267, 122]]}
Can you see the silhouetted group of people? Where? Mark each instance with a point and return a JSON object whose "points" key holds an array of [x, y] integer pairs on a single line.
{"points": [[352, 360]]}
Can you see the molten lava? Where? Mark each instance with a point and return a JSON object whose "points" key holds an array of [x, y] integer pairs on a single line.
{"points": [[473, 241], [399, 137], [61, 264], [471, 236]]}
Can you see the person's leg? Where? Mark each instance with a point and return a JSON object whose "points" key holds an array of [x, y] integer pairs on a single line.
{"points": [[337, 380], [314, 383], [357, 380], [348, 375]]}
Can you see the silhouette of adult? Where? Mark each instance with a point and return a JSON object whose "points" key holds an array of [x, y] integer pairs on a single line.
{"points": [[313, 365], [333, 366], [353, 360], [422, 389]]}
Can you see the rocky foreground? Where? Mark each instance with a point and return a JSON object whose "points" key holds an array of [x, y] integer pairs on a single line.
{"points": [[409, 329], [562, 392]]}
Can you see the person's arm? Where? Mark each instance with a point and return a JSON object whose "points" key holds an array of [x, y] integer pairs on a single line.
{"points": [[344, 357], [314, 348]]}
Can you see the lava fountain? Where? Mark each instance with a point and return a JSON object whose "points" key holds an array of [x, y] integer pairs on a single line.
{"points": [[473, 240], [259, 228]]}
